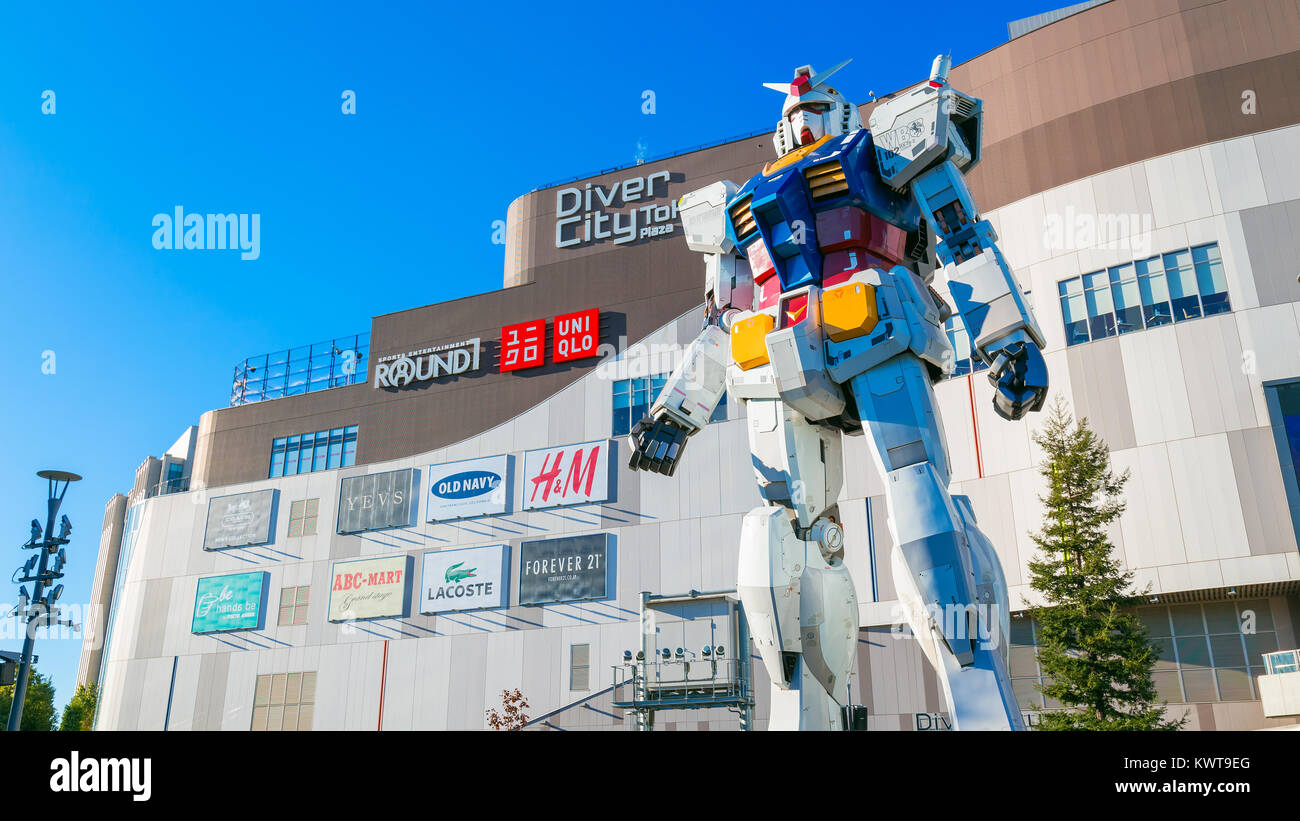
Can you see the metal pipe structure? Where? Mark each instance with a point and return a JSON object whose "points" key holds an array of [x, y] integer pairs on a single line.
{"points": [[41, 612]]}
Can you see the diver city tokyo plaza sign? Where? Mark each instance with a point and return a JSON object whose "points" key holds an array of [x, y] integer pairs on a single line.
{"points": [[469, 488], [370, 588], [588, 214], [567, 475], [233, 602], [474, 578]]}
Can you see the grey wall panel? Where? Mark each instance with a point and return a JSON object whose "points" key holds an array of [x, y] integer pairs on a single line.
{"points": [[1218, 386], [210, 691], [1273, 239], [884, 550], [1263, 498], [1096, 374], [153, 621]]}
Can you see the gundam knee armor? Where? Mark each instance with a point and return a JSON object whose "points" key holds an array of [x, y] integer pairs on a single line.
{"points": [[820, 321]]}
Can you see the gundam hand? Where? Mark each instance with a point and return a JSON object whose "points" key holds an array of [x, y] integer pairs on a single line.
{"points": [[1019, 374], [657, 444]]}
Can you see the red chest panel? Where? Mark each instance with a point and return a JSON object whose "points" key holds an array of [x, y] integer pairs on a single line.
{"points": [[850, 239]]}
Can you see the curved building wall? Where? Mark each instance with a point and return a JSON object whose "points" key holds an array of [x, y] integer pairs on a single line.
{"points": [[1128, 114]]}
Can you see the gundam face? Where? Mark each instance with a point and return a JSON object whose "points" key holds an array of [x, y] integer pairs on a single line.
{"points": [[812, 110]]}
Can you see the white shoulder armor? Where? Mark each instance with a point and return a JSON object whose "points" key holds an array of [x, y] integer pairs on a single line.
{"points": [[925, 126], [704, 217]]}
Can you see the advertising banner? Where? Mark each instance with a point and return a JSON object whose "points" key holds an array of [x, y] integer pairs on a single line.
{"points": [[572, 568], [370, 588], [476, 578], [239, 520], [568, 475], [474, 487], [376, 501], [234, 602], [577, 335]]}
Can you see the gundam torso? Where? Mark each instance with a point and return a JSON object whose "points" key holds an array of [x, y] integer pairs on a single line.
{"points": [[830, 251], [818, 214]]}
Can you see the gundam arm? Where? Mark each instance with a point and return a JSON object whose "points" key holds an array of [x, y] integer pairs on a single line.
{"points": [[697, 385], [998, 318]]}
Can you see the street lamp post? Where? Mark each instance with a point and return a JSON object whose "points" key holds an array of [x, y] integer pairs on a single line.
{"points": [[41, 610]]}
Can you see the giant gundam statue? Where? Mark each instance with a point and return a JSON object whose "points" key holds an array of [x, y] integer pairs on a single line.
{"points": [[820, 318]]}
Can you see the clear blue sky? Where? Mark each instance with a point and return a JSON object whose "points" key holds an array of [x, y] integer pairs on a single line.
{"points": [[235, 108]]}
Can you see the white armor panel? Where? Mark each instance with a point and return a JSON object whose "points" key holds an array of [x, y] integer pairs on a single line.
{"points": [[987, 280], [803, 617], [696, 386]]}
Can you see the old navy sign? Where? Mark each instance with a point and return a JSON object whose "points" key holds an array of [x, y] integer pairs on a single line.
{"points": [[428, 363], [568, 475], [473, 487], [584, 215]]}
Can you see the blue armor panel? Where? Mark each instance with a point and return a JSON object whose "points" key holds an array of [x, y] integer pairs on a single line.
{"points": [[780, 205]]}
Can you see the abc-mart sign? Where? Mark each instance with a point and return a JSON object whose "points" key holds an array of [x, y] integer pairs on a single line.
{"points": [[400, 370]]}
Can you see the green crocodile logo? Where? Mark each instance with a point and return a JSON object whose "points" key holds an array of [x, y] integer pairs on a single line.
{"points": [[454, 575]]}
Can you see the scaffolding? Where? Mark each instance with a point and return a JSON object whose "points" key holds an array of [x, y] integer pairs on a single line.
{"points": [[694, 655]]}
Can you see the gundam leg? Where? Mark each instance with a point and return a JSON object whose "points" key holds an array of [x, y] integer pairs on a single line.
{"points": [[792, 581], [947, 576]]}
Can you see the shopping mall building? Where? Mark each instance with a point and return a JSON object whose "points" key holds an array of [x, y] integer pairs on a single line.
{"points": [[387, 530]]}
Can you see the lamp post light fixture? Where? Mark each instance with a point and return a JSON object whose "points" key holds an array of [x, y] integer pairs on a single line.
{"points": [[41, 609]]}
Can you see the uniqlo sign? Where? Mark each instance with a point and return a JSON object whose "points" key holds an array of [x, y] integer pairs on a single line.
{"points": [[568, 475], [576, 335], [523, 345]]}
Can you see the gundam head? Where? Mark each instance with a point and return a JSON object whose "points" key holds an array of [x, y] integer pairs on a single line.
{"points": [[812, 110]]}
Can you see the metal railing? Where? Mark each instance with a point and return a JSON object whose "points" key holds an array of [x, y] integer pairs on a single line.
{"points": [[333, 363], [1285, 661], [680, 684]]}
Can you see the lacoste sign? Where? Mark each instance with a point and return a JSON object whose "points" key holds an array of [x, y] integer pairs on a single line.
{"points": [[475, 578]]}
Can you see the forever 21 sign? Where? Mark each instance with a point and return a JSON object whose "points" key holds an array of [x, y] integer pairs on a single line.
{"points": [[567, 475]]}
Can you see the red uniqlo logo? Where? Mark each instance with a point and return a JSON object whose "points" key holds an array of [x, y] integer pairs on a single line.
{"points": [[576, 335], [523, 345]]}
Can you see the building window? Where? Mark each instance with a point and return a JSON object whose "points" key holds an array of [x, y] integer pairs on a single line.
{"points": [[1205, 652], [1283, 400], [1173, 287], [329, 364], [302, 517], [175, 478], [307, 452], [293, 605], [284, 701], [580, 667], [633, 398]]}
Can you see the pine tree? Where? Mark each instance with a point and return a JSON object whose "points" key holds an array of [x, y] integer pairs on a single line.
{"points": [[1091, 645]]}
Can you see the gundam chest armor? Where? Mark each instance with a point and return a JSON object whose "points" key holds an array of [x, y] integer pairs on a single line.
{"points": [[825, 239]]}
